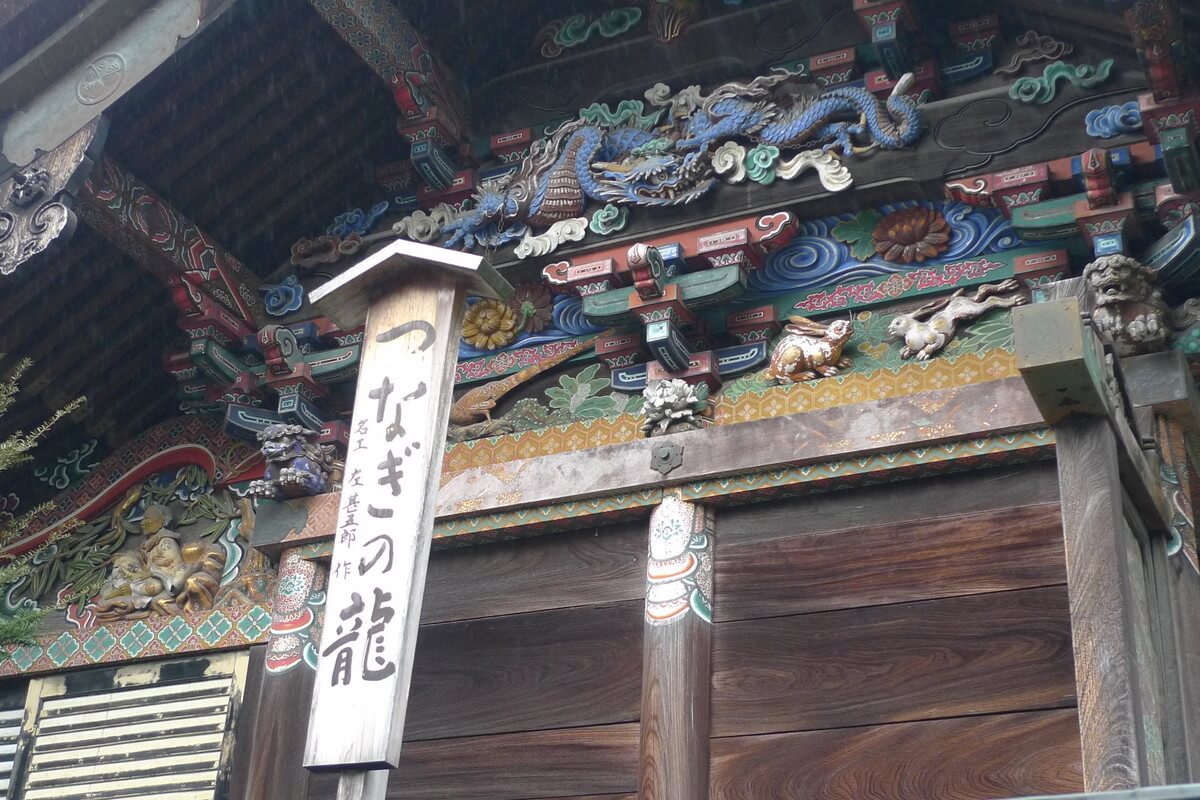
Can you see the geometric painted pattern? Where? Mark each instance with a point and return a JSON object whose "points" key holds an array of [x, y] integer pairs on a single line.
{"points": [[255, 623], [214, 628], [1017, 447], [544, 519], [236, 624]]}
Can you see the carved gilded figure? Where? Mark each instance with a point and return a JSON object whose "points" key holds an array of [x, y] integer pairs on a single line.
{"points": [[164, 576], [129, 591]]}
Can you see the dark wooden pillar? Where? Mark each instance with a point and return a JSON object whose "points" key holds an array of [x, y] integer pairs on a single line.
{"points": [[1118, 751], [677, 653], [1161, 385], [1114, 522], [275, 756]]}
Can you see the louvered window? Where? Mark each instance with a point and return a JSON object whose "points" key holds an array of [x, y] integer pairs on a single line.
{"points": [[10, 729], [160, 731]]}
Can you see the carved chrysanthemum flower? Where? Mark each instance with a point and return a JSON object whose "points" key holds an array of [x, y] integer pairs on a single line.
{"points": [[913, 234], [489, 324], [533, 306]]}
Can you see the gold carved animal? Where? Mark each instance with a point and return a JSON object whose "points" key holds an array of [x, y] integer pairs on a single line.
{"points": [[810, 350]]}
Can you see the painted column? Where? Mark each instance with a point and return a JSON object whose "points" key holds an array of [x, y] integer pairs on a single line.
{"points": [[677, 653], [276, 766]]}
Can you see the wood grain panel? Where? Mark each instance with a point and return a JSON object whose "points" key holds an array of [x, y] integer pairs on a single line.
{"points": [[276, 751], [858, 430], [1098, 581], [598, 565], [552, 669], [974, 758], [245, 725], [1009, 651], [894, 502], [969, 554], [542, 764]]}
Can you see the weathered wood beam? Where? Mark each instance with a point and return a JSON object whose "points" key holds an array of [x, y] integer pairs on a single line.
{"points": [[272, 768], [38, 200], [966, 413], [677, 654], [1107, 670], [207, 281], [1163, 381], [1065, 368], [395, 51], [829, 434], [1186, 792], [1115, 525], [89, 64]]}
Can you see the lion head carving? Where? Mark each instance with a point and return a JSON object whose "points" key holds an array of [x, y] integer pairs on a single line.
{"points": [[1130, 313]]}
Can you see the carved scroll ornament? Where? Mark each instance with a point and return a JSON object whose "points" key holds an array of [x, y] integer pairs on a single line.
{"points": [[35, 201]]}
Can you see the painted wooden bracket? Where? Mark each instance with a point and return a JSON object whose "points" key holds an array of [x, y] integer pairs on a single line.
{"points": [[893, 28], [1163, 382], [745, 241], [1176, 257], [1060, 360], [1063, 364], [1180, 158], [663, 305], [1011, 189]]}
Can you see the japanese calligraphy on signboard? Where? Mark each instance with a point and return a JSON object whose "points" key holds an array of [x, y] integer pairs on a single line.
{"points": [[385, 519]]}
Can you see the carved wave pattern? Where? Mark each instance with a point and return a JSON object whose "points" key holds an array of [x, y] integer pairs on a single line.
{"points": [[815, 258], [566, 320]]}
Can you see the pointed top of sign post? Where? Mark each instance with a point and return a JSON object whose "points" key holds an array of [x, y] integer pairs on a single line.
{"points": [[345, 299]]}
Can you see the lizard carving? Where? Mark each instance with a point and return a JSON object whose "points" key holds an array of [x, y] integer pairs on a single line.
{"points": [[471, 414]]}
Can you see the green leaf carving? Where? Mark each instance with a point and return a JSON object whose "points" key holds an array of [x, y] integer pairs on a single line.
{"points": [[857, 233]]}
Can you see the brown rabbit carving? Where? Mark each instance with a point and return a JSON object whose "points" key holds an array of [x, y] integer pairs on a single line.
{"points": [[810, 350]]}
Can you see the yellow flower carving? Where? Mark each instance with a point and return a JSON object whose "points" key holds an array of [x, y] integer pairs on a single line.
{"points": [[489, 324]]}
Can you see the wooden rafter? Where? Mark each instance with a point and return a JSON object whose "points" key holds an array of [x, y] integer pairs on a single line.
{"points": [[207, 282], [395, 51]]}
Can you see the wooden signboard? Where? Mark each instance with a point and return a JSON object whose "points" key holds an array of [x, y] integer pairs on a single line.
{"points": [[414, 299]]}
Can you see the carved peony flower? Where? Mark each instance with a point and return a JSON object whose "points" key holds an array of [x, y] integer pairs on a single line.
{"points": [[489, 324], [533, 306], [913, 234]]}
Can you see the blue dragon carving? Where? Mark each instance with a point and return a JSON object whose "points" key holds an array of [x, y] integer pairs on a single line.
{"points": [[671, 164]]}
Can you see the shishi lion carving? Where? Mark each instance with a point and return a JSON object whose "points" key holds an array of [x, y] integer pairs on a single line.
{"points": [[1130, 313], [297, 466]]}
